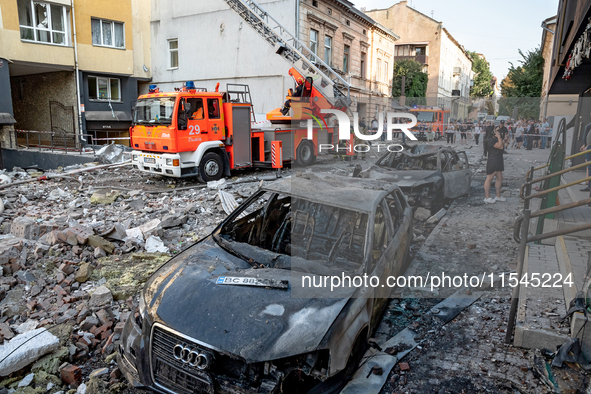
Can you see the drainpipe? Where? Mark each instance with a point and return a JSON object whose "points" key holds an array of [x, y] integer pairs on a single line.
{"points": [[77, 73], [297, 21]]}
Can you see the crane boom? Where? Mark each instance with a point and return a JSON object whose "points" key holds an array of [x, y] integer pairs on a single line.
{"points": [[331, 85]]}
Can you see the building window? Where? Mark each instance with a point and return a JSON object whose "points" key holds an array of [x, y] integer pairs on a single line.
{"points": [[364, 32], [363, 65], [346, 59], [173, 53], [420, 51], [315, 3], [386, 72], [104, 89], [328, 50], [329, 11], [347, 22], [107, 33], [379, 70], [314, 41], [42, 22]]}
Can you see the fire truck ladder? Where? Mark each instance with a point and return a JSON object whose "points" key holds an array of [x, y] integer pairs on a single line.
{"points": [[331, 85]]}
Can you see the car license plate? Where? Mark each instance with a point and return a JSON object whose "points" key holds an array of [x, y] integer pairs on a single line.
{"points": [[150, 160], [242, 281]]}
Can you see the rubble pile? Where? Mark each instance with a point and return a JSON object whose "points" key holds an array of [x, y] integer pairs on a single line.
{"points": [[73, 255]]}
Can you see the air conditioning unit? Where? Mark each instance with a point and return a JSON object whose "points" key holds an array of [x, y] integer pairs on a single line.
{"points": [[455, 93], [457, 71]]}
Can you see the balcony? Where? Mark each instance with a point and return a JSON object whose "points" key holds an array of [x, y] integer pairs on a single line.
{"points": [[423, 59]]}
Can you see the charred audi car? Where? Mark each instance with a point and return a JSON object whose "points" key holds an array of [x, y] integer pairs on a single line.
{"points": [[428, 175], [232, 314]]}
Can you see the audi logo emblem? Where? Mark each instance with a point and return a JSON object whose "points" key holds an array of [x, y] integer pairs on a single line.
{"points": [[193, 357]]}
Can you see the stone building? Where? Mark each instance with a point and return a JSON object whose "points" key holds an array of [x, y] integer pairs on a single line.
{"points": [[447, 63], [354, 45], [357, 47], [71, 69]]}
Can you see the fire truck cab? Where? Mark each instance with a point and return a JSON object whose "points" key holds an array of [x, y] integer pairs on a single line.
{"points": [[193, 132]]}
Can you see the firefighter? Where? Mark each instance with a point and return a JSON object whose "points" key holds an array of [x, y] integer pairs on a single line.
{"points": [[287, 104], [300, 89]]}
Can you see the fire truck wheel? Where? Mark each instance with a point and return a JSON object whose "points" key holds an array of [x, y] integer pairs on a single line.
{"points": [[211, 167], [305, 154]]}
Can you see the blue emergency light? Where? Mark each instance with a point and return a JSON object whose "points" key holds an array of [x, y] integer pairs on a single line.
{"points": [[153, 88], [190, 85]]}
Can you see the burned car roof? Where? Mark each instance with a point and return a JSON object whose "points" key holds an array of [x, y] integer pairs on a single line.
{"points": [[356, 194]]}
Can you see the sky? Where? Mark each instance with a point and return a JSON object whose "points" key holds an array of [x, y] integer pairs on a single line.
{"points": [[497, 29]]}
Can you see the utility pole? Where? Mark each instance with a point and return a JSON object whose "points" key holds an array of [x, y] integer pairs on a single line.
{"points": [[403, 91]]}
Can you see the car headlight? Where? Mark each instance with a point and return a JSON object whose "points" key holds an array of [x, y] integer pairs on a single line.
{"points": [[141, 311], [134, 157], [168, 162]]}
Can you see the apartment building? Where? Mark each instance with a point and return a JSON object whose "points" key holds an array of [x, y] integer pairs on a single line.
{"points": [[228, 51], [70, 69], [354, 45], [444, 59]]}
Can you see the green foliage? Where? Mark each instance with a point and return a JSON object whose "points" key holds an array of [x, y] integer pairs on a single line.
{"points": [[522, 88], [416, 81], [482, 77]]}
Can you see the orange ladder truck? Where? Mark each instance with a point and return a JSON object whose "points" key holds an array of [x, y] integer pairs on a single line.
{"points": [[193, 132]]}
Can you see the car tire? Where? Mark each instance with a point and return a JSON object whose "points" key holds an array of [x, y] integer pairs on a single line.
{"points": [[305, 155], [211, 167]]}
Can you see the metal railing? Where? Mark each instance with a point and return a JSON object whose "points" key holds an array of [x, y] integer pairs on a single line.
{"points": [[48, 140], [522, 223]]}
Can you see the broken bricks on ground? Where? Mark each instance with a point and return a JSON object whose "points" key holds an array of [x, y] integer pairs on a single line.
{"points": [[72, 257]]}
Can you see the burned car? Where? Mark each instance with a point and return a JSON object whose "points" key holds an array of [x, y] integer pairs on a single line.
{"points": [[428, 175], [233, 312]]}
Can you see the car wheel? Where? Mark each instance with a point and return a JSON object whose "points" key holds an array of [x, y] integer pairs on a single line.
{"points": [[305, 155], [211, 167]]}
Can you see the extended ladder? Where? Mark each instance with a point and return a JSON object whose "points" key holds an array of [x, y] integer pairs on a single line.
{"points": [[306, 62]]}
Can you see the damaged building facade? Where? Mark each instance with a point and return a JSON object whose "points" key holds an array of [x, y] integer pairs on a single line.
{"points": [[354, 45], [69, 70]]}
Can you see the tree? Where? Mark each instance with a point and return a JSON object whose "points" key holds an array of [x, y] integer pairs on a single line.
{"points": [[482, 77], [522, 88], [416, 81]]}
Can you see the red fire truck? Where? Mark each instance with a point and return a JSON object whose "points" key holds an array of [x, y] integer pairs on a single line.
{"points": [[434, 117], [193, 132]]}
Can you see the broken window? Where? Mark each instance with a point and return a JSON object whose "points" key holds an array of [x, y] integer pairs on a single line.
{"points": [[403, 161], [285, 225]]}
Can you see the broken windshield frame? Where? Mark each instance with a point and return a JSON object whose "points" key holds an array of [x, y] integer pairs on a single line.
{"points": [[154, 110], [266, 233]]}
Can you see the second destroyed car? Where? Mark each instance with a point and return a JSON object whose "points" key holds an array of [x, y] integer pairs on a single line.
{"points": [[428, 175], [233, 312]]}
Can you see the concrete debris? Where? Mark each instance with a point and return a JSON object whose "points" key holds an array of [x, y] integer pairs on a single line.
{"points": [[26, 348], [101, 296], [105, 196], [59, 194], [27, 380], [29, 325], [113, 153], [422, 214], [437, 217], [5, 179], [155, 244], [215, 185], [73, 259]]}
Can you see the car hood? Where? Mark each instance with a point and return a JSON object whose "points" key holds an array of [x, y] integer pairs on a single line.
{"points": [[255, 323], [403, 178]]}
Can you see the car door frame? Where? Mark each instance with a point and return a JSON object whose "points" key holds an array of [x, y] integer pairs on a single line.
{"points": [[456, 183]]}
